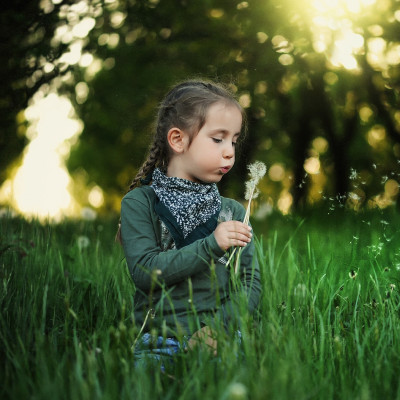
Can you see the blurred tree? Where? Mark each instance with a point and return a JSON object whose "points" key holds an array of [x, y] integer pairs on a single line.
{"points": [[267, 51], [27, 56], [157, 47], [320, 86]]}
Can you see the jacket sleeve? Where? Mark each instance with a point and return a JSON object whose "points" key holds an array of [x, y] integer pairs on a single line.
{"points": [[143, 251]]}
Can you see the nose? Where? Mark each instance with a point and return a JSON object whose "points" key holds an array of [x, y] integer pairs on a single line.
{"points": [[229, 151]]}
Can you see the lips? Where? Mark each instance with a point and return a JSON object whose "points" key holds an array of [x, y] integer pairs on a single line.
{"points": [[225, 169]]}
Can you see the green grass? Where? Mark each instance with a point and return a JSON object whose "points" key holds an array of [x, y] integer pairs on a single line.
{"points": [[327, 328]]}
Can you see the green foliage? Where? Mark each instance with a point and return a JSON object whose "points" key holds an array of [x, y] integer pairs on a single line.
{"points": [[290, 104], [327, 326], [266, 50], [26, 32]]}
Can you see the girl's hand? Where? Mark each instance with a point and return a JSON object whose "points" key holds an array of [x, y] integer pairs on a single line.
{"points": [[232, 233], [204, 336]]}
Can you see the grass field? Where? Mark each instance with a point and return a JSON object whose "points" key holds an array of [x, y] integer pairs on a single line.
{"points": [[328, 325]]}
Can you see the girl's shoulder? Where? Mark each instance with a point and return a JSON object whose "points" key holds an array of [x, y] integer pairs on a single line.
{"points": [[142, 194], [226, 201]]}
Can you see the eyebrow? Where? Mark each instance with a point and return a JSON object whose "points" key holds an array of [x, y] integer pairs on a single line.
{"points": [[224, 132]]}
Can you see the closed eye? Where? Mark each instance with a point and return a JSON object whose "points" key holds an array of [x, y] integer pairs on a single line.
{"points": [[217, 140]]}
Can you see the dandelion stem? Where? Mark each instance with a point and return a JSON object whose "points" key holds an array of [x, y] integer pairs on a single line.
{"points": [[245, 221]]}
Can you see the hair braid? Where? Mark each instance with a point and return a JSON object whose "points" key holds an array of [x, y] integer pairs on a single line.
{"points": [[148, 166]]}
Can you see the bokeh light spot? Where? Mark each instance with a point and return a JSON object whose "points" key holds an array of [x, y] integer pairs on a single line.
{"points": [[276, 172], [312, 165]]}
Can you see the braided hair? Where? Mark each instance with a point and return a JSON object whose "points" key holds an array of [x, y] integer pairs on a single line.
{"points": [[185, 107]]}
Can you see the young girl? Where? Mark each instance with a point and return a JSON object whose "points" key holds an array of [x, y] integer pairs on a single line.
{"points": [[176, 229]]}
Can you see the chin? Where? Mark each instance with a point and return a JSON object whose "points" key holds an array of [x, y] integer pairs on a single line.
{"points": [[213, 180]]}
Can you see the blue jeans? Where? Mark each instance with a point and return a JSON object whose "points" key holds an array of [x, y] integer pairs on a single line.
{"points": [[152, 351]]}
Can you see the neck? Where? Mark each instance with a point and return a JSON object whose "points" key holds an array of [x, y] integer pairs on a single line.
{"points": [[175, 169]]}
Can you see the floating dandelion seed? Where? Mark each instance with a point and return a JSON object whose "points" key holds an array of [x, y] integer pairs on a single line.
{"points": [[353, 174], [392, 286], [257, 171]]}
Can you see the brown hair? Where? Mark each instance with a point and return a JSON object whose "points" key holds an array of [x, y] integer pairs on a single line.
{"points": [[185, 106]]}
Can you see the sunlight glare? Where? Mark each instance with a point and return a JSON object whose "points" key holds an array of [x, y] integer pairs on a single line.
{"points": [[40, 185], [334, 31]]}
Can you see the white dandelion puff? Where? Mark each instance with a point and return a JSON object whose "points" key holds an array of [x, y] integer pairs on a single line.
{"points": [[83, 242], [257, 170]]}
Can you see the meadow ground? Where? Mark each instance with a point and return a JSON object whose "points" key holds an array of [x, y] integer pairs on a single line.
{"points": [[328, 326]]}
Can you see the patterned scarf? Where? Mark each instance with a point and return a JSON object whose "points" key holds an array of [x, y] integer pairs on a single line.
{"points": [[191, 204]]}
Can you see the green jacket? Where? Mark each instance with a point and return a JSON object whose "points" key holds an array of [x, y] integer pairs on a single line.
{"points": [[184, 288]]}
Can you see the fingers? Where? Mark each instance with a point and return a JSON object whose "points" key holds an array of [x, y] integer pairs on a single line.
{"points": [[203, 337], [239, 234], [232, 234]]}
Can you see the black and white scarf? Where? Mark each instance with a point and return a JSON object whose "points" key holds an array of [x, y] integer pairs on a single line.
{"points": [[191, 204]]}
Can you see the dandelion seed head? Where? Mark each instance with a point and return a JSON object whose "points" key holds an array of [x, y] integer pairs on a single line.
{"points": [[257, 170], [249, 189], [88, 214], [83, 242]]}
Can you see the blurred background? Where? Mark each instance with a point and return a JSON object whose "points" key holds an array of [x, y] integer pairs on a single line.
{"points": [[81, 81]]}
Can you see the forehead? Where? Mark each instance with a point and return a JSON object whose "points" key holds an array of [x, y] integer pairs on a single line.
{"points": [[224, 114]]}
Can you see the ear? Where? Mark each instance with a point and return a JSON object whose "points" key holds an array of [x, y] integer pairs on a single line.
{"points": [[177, 140]]}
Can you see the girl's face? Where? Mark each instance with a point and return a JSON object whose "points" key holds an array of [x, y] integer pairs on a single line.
{"points": [[211, 154]]}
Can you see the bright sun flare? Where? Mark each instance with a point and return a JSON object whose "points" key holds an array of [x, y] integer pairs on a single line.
{"points": [[334, 32], [40, 186]]}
